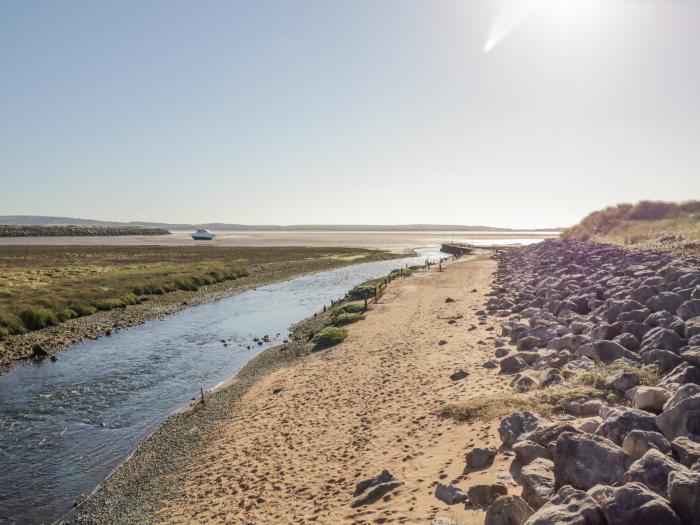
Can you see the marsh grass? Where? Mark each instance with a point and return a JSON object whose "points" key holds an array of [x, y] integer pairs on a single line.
{"points": [[43, 286], [546, 401], [345, 319], [329, 336]]}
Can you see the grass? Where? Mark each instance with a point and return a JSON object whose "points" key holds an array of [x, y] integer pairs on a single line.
{"points": [[647, 225], [329, 336], [546, 401], [43, 286], [347, 318]]}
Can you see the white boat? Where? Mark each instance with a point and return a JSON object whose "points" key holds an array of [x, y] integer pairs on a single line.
{"points": [[203, 235]]}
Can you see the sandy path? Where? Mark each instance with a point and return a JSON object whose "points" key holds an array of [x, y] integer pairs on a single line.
{"points": [[306, 435]]}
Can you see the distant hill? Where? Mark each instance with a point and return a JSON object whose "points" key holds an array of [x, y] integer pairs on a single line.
{"points": [[58, 230], [39, 220], [666, 226]]}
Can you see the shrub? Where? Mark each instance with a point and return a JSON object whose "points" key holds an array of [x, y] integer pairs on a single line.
{"points": [[37, 318], [4, 332], [110, 304], [82, 309], [66, 313], [329, 336], [351, 308], [11, 323], [344, 319]]}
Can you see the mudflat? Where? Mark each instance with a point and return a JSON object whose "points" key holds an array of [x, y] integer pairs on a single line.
{"points": [[300, 439]]}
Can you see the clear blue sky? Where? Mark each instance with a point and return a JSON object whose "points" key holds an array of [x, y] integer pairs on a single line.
{"points": [[347, 111]]}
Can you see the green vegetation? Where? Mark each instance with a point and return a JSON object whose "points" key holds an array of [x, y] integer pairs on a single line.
{"points": [[12, 230], [343, 319], [351, 308], [652, 225], [547, 401], [329, 336], [43, 286]]}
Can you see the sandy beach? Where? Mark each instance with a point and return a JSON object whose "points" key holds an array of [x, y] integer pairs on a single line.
{"points": [[304, 436]]}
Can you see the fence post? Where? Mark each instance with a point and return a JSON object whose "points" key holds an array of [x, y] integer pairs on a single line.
{"points": [[366, 294]]}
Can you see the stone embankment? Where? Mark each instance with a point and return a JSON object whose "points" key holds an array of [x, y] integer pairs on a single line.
{"points": [[631, 456], [10, 230]]}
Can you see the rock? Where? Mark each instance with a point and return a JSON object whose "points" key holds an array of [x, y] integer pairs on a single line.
{"points": [[664, 359], [619, 423], [652, 470], [682, 419], [528, 343], [638, 442], [606, 352], [662, 338], [686, 451], [684, 495], [668, 301], [512, 364], [584, 407], [689, 309], [569, 507], [501, 352], [384, 477], [629, 341], [449, 494], [523, 382], [537, 479], [634, 504], [527, 451], [515, 425], [480, 457], [691, 354], [490, 364], [485, 495], [600, 493], [508, 510], [622, 380], [458, 375], [651, 398], [683, 392], [547, 434], [577, 366], [683, 374], [585, 460], [549, 377], [449, 300]]}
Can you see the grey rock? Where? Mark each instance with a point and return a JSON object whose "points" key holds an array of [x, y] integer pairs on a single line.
{"points": [[622, 380], [450, 494], [508, 510], [638, 442], [606, 352], [668, 301], [490, 364], [682, 419], [529, 343], [527, 451], [384, 477], [459, 375], [662, 338], [523, 382], [569, 507], [480, 457], [619, 423], [585, 460], [634, 504], [652, 470], [664, 359], [512, 364], [537, 479], [501, 352], [650, 398], [683, 374], [628, 340], [584, 407], [550, 377], [485, 495], [686, 451], [515, 425], [684, 495], [689, 309]]}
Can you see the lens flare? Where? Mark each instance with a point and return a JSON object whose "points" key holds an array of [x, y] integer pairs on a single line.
{"points": [[511, 13]]}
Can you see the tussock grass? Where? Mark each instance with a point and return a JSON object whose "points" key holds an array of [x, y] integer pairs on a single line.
{"points": [[329, 336], [45, 285], [546, 401], [344, 319]]}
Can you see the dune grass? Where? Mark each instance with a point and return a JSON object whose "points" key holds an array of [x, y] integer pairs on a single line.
{"points": [[43, 286], [329, 336], [547, 401], [651, 225]]}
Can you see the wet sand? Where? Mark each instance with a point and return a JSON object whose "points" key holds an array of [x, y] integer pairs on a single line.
{"points": [[302, 437]]}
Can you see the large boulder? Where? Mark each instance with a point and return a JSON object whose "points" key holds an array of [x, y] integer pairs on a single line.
{"points": [[606, 352], [681, 419], [638, 442], [527, 451], [585, 460], [512, 364], [569, 507], [450, 494], [515, 425], [689, 309], [668, 301], [485, 495], [622, 380], [686, 451], [684, 495], [480, 457], [634, 504], [537, 479], [508, 510], [681, 375], [652, 470], [664, 359], [618, 423], [651, 398], [691, 354], [662, 338]]}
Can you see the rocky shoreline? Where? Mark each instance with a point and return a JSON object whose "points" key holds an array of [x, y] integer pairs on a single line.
{"points": [[10, 230], [632, 455]]}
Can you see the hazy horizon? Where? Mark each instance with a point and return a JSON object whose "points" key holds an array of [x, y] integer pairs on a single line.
{"points": [[361, 112]]}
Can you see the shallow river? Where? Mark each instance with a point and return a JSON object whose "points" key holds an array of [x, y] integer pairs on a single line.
{"points": [[65, 425]]}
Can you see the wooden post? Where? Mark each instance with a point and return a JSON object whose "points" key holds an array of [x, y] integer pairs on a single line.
{"points": [[366, 294], [201, 392]]}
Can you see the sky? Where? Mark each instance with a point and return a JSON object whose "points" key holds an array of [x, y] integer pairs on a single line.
{"points": [[521, 113]]}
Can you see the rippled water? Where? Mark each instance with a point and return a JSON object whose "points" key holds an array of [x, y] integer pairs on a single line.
{"points": [[65, 425]]}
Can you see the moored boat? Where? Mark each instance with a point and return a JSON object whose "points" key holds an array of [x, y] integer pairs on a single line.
{"points": [[203, 235]]}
